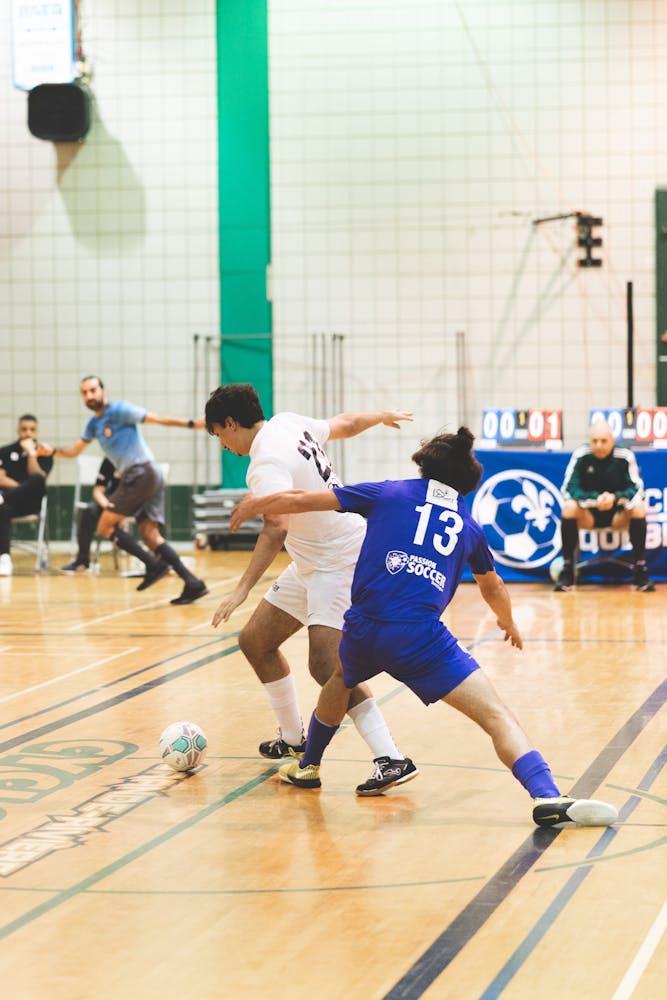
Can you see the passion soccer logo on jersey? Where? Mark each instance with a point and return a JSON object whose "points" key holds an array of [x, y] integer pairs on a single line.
{"points": [[396, 561], [520, 512]]}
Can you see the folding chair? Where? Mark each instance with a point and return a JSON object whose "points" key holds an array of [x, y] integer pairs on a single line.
{"points": [[40, 544], [612, 552], [88, 467]]}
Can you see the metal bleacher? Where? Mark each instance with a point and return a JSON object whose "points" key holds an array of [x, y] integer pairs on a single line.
{"points": [[211, 512]]}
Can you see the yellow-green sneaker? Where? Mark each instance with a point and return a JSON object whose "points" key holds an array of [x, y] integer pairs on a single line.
{"points": [[302, 777]]}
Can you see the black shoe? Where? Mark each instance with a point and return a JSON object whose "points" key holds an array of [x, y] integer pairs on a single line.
{"points": [[278, 748], [191, 592], [74, 567], [640, 578], [387, 773], [565, 579], [564, 811], [153, 575]]}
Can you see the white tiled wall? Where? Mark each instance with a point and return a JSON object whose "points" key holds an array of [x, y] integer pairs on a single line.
{"points": [[109, 257], [413, 145]]}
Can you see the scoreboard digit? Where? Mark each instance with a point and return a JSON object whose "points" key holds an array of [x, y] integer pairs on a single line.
{"points": [[620, 419], [530, 427], [644, 425], [651, 426]]}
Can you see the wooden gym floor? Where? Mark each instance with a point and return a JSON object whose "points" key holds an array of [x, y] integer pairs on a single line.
{"points": [[120, 878]]}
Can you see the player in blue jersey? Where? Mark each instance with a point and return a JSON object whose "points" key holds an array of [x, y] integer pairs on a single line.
{"points": [[140, 492], [419, 536]]}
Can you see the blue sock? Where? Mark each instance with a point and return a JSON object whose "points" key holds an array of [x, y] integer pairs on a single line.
{"points": [[535, 775], [319, 737]]}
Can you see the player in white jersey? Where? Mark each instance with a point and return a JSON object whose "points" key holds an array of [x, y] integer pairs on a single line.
{"points": [[286, 452]]}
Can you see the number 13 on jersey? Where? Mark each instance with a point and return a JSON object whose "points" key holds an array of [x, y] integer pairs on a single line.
{"points": [[444, 542]]}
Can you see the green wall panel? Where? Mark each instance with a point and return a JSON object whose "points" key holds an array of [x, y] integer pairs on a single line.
{"points": [[244, 205]]}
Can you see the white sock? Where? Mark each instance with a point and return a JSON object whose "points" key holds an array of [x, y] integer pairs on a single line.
{"points": [[283, 699], [372, 728]]}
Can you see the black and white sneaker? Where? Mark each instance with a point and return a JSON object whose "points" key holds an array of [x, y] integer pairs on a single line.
{"points": [[565, 579], [386, 774], [564, 811], [279, 748], [640, 578]]}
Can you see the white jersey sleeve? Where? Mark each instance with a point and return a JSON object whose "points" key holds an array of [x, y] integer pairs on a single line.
{"points": [[287, 454]]}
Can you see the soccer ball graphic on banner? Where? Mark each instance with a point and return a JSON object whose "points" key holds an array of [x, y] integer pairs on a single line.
{"points": [[183, 745], [520, 513]]}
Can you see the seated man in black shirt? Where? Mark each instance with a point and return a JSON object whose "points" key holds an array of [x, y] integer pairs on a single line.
{"points": [[87, 518], [603, 489], [22, 483]]}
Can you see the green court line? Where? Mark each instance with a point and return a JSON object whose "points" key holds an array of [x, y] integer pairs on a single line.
{"points": [[65, 895], [259, 892], [85, 713]]}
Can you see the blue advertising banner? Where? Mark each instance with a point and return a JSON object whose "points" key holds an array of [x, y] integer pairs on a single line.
{"points": [[518, 504]]}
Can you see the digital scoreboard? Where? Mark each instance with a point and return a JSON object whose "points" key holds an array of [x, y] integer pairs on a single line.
{"points": [[532, 428], [638, 425]]}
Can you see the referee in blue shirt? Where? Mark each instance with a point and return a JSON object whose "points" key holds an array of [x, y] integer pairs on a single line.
{"points": [[140, 492]]}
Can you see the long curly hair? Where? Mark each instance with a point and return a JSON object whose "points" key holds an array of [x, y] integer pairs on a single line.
{"points": [[449, 459]]}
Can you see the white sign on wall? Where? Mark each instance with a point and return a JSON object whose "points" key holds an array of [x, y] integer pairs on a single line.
{"points": [[42, 42]]}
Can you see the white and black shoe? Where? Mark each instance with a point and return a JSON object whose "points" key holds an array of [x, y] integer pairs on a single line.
{"points": [[558, 813], [386, 774], [279, 748]]}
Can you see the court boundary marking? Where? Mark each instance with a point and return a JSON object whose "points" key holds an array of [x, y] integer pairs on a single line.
{"points": [[118, 699], [117, 680], [439, 955]]}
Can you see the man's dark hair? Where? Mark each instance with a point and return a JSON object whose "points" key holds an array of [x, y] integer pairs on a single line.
{"points": [[449, 459], [28, 416], [239, 400], [87, 378]]}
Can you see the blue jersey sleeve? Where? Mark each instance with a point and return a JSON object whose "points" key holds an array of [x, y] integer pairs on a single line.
{"points": [[128, 413], [88, 433], [480, 558], [360, 498]]}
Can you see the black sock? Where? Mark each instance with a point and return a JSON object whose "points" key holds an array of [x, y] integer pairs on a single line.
{"points": [[638, 538], [569, 531], [127, 543], [170, 556]]}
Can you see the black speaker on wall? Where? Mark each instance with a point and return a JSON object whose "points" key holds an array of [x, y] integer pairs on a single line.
{"points": [[59, 112]]}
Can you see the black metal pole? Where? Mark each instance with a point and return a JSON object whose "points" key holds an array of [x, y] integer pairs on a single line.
{"points": [[630, 355]]}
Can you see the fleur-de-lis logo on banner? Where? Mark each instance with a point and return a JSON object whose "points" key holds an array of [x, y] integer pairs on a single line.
{"points": [[537, 503]]}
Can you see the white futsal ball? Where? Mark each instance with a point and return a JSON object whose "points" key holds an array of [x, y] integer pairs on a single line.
{"points": [[183, 745]]}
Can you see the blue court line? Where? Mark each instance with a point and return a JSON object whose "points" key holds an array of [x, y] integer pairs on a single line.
{"points": [[475, 914], [554, 910], [101, 706]]}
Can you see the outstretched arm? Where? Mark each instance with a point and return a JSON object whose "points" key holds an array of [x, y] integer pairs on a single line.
{"points": [[154, 418], [347, 425], [287, 502], [495, 593]]}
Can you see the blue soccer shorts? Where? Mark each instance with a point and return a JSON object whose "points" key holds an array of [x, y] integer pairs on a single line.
{"points": [[427, 658]]}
